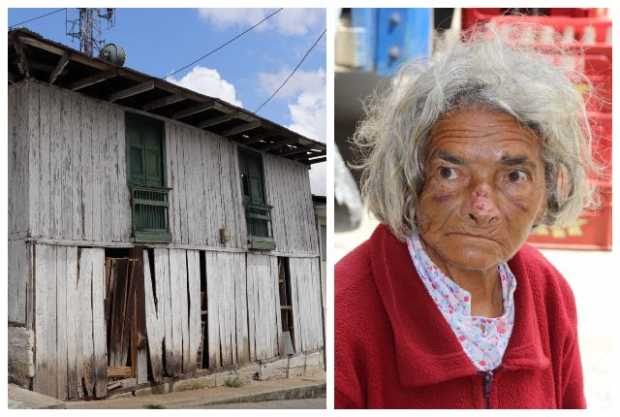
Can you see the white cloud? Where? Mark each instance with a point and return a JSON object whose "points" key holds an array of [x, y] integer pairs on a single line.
{"points": [[301, 81], [305, 92], [288, 21], [209, 82]]}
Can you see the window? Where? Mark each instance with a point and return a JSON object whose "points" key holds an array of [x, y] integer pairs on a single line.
{"points": [[145, 175], [257, 211]]}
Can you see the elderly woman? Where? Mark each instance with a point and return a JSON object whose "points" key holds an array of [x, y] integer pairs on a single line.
{"points": [[445, 306]]}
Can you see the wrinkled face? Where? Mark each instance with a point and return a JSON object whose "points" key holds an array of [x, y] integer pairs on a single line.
{"points": [[484, 188]]}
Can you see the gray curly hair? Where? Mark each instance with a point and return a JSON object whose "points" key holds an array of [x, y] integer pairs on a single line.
{"points": [[480, 69]]}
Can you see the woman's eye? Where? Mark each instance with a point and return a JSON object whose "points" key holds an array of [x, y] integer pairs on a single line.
{"points": [[447, 173], [517, 176]]}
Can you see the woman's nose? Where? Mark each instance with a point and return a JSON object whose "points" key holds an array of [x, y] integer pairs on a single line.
{"points": [[481, 207]]}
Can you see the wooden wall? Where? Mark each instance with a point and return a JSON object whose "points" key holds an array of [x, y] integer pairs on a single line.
{"points": [[78, 185], [70, 331], [227, 309], [77, 188], [306, 298], [203, 171], [172, 304], [288, 191], [264, 321], [18, 149]]}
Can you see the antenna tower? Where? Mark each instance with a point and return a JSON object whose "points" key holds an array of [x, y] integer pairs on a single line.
{"points": [[86, 28]]}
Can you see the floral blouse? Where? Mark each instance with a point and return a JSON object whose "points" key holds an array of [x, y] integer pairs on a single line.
{"points": [[483, 339]]}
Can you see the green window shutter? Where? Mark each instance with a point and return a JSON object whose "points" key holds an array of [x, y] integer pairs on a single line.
{"points": [[257, 212], [149, 197]]}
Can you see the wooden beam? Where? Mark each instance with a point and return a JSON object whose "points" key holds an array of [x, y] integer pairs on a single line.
{"points": [[132, 91], [278, 144], [163, 102], [91, 80], [257, 139], [298, 150], [91, 62], [22, 64], [216, 120], [60, 67], [242, 128], [193, 110]]}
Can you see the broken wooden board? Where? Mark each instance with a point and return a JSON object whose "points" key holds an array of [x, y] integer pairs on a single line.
{"points": [[70, 353], [263, 306], [227, 309], [306, 302]]}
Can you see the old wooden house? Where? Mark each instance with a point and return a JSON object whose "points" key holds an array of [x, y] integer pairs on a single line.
{"points": [[154, 232]]}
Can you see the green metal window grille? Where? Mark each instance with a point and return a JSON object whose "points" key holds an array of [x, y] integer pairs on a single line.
{"points": [[149, 196], [257, 211]]}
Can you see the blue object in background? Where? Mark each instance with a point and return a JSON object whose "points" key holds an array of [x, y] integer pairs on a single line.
{"points": [[392, 36]]}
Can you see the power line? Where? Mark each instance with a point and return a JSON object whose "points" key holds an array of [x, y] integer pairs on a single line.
{"points": [[226, 43], [37, 17], [292, 72]]}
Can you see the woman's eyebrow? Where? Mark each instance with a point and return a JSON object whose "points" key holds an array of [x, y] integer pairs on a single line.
{"points": [[516, 160], [448, 157]]}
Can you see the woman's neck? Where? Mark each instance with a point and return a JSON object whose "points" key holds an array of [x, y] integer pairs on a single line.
{"points": [[484, 286]]}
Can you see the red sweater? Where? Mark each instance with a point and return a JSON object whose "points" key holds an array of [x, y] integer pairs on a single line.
{"points": [[394, 349]]}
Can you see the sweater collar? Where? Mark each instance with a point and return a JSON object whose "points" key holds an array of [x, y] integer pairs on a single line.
{"points": [[427, 352]]}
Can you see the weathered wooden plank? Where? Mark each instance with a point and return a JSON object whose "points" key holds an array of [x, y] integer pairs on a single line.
{"points": [[19, 148], [66, 166], [227, 321], [34, 160], [74, 331], [241, 308], [19, 276], [306, 299], [123, 189], [60, 66], [132, 91], [193, 286], [163, 277], [94, 261], [45, 320], [171, 167], [85, 322], [62, 322], [178, 279], [153, 303], [262, 319]]}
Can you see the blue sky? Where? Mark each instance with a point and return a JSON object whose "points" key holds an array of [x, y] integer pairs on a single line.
{"points": [[160, 41]]}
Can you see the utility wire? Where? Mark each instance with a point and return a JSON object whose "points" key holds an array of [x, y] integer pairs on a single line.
{"points": [[225, 43], [37, 17], [292, 72]]}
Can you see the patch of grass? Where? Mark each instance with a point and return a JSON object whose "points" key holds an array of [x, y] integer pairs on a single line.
{"points": [[233, 382], [154, 406]]}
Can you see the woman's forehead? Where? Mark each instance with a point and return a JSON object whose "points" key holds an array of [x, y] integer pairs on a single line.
{"points": [[472, 133]]}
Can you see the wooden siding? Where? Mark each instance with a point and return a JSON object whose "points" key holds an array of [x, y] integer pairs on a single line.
{"points": [[70, 332], [172, 304], [265, 330], [227, 309], [306, 299], [18, 160], [19, 284], [78, 187], [203, 171], [288, 190]]}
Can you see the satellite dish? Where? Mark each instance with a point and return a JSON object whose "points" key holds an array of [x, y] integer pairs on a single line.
{"points": [[113, 53]]}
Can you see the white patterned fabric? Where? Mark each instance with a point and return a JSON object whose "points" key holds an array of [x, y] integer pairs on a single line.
{"points": [[483, 339]]}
